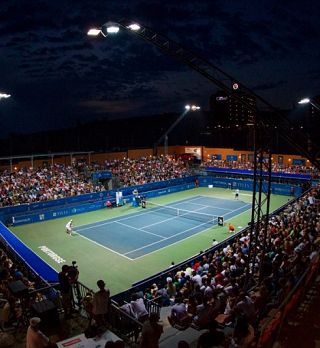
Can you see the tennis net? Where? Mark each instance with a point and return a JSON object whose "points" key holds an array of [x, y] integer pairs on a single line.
{"points": [[187, 214]]}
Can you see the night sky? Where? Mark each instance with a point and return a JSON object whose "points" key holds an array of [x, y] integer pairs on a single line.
{"points": [[58, 76]]}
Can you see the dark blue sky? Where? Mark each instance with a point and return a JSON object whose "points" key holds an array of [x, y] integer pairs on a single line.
{"points": [[58, 76]]}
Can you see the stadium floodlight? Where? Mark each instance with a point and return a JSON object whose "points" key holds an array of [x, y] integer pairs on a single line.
{"points": [[134, 27], [304, 101], [192, 107], [112, 29], [4, 96], [310, 101], [94, 32], [107, 28]]}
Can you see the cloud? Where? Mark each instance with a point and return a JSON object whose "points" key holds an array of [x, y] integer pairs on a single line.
{"points": [[53, 68]]}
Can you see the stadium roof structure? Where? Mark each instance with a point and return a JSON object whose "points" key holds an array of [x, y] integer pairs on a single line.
{"points": [[45, 155]]}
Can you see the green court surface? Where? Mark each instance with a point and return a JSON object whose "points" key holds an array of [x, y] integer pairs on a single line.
{"points": [[51, 242]]}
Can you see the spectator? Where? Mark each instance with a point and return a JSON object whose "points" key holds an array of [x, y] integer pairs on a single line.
{"points": [[179, 315], [151, 332], [100, 304], [35, 338], [139, 308], [66, 290]]}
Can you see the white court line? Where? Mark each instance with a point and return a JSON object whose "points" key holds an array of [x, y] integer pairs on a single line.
{"points": [[161, 222], [163, 238], [178, 241], [210, 206], [103, 246], [126, 217], [140, 229], [190, 229], [238, 209], [129, 216], [177, 234]]}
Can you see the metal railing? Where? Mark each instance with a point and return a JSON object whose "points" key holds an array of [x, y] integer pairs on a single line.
{"points": [[124, 325]]}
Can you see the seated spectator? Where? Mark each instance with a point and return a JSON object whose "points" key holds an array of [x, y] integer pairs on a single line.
{"points": [[179, 315], [171, 288], [162, 297], [246, 306], [204, 314], [139, 308]]}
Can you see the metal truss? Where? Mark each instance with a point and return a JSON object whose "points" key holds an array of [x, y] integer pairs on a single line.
{"points": [[267, 119]]}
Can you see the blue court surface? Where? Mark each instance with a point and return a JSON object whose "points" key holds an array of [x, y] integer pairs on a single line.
{"points": [[153, 228]]}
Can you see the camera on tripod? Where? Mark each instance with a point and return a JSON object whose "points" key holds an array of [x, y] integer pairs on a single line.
{"points": [[73, 272]]}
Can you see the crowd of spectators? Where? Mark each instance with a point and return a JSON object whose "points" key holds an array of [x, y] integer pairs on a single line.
{"points": [[211, 290], [29, 185], [145, 170], [12, 304], [276, 167], [50, 182]]}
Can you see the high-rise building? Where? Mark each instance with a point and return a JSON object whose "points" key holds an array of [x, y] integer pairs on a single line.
{"points": [[231, 110]]}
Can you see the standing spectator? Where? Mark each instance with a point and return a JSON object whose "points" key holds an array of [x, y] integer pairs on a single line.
{"points": [[151, 332], [66, 290], [100, 304], [35, 338], [236, 194]]}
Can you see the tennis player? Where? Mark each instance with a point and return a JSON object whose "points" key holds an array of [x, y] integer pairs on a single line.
{"points": [[69, 227]]}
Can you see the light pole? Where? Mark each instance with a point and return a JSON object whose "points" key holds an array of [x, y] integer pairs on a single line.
{"points": [[164, 136], [111, 28], [310, 101]]}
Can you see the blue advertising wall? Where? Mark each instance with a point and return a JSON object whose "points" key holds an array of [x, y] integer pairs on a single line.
{"points": [[278, 189], [38, 266], [41, 211], [304, 177]]}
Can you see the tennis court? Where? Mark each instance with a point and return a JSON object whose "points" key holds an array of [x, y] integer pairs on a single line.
{"points": [[157, 226], [108, 249]]}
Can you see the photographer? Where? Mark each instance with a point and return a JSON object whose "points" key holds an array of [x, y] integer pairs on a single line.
{"points": [[67, 277], [73, 273]]}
